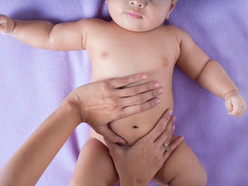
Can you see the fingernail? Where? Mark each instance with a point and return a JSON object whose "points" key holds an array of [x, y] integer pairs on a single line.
{"points": [[174, 118], [174, 127], [170, 112], [157, 85], [144, 76], [181, 138], [161, 90], [157, 100]]}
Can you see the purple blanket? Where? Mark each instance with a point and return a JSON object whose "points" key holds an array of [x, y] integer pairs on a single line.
{"points": [[33, 82]]}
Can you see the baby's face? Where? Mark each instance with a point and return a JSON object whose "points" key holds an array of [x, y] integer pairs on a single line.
{"points": [[139, 15]]}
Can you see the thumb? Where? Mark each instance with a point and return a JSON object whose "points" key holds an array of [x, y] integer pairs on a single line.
{"points": [[111, 136], [229, 105], [237, 107], [114, 149], [1, 27]]}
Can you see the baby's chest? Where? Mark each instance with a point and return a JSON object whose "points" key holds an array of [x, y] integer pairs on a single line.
{"points": [[122, 58], [122, 63]]}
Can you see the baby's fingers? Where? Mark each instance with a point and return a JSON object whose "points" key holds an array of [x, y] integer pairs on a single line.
{"points": [[238, 109], [229, 105], [242, 111], [6, 24]]}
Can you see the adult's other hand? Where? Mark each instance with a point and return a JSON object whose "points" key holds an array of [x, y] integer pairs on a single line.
{"points": [[137, 164]]}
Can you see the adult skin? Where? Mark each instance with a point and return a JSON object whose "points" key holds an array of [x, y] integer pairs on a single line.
{"points": [[97, 104], [137, 164]]}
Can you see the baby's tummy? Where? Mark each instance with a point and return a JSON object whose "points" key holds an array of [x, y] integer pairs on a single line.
{"points": [[138, 125]]}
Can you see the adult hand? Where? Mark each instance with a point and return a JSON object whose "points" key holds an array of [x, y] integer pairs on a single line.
{"points": [[104, 101], [137, 164]]}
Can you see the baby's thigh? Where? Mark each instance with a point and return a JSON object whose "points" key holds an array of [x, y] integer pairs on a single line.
{"points": [[94, 166], [182, 168], [94, 134]]}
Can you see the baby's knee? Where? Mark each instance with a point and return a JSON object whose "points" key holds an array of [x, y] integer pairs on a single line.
{"points": [[197, 176], [203, 179]]}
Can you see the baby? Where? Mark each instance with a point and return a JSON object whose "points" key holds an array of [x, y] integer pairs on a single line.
{"points": [[135, 41]]}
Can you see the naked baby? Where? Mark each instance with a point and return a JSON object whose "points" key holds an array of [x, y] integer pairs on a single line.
{"points": [[135, 41]]}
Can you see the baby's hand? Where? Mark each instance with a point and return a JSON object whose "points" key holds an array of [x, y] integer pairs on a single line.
{"points": [[235, 104], [6, 24]]}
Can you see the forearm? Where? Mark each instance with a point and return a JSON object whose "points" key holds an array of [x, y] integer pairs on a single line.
{"points": [[34, 33], [215, 79], [30, 161]]}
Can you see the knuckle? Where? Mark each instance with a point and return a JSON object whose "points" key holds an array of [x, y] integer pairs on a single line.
{"points": [[124, 81], [105, 89], [171, 149], [139, 100], [160, 127], [135, 90], [149, 86], [154, 93], [152, 85], [150, 103], [104, 85], [116, 115], [139, 108], [123, 113], [153, 102], [113, 104]]}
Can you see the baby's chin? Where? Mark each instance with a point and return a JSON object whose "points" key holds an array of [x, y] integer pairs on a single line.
{"points": [[136, 28]]}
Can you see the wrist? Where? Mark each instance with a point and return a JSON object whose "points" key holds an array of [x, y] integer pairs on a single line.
{"points": [[13, 28], [71, 102], [231, 92]]}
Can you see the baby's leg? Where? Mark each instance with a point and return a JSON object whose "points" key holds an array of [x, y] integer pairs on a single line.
{"points": [[182, 168], [94, 166]]}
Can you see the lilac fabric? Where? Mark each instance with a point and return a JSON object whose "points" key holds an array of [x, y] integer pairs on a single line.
{"points": [[33, 82]]}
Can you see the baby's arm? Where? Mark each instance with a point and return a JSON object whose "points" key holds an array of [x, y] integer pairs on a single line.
{"points": [[44, 34], [209, 74]]}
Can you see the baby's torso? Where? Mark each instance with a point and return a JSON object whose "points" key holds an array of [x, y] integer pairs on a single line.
{"points": [[116, 52]]}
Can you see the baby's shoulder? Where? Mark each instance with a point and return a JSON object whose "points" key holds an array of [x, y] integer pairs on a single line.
{"points": [[175, 31], [93, 23]]}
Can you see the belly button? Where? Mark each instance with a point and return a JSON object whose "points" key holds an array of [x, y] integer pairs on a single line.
{"points": [[135, 127]]}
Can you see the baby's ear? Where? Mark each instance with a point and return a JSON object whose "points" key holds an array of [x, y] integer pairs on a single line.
{"points": [[173, 4]]}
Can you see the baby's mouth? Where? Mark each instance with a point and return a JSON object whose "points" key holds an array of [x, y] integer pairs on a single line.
{"points": [[133, 14]]}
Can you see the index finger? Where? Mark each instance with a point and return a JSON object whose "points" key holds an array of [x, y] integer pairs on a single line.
{"points": [[128, 80], [160, 126]]}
